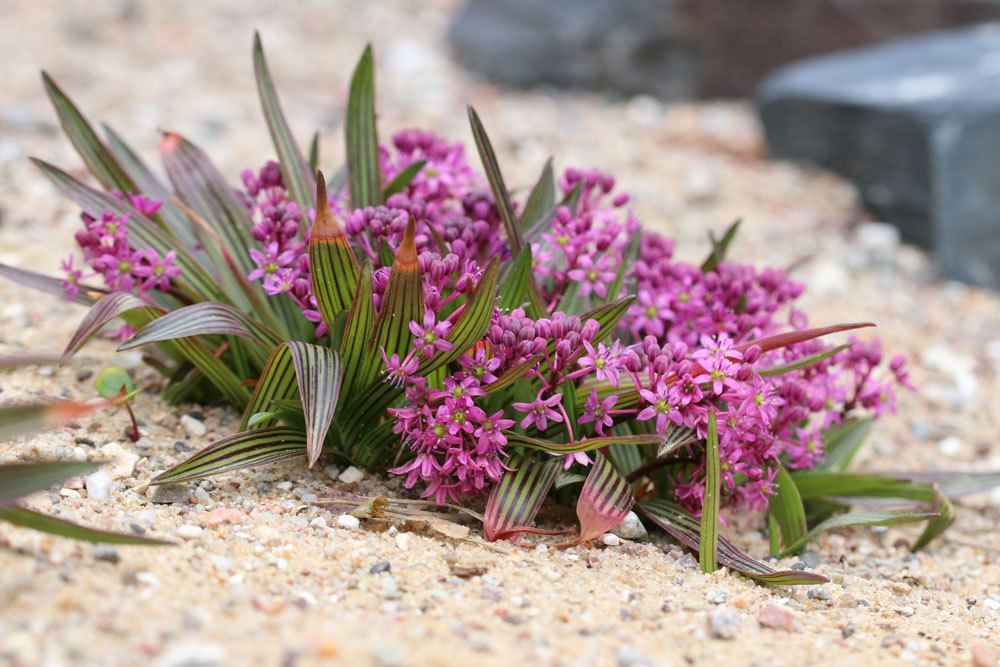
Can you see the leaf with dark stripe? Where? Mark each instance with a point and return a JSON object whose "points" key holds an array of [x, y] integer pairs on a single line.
{"points": [[402, 303], [820, 484], [685, 529], [502, 198], [194, 280], [201, 186], [277, 382], [362, 136], [403, 179], [333, 266], [516, 499], [95, 154], [541, 199], [87, 296], [20, 479], [26, 518], [319, 375], [357, 332], [104, 311], [295, 171], [786, 507], [514, 285], [243, 450], [719, 247], [202, 319], [604, 501], [584, 445], [709, 529], [150, 185]]}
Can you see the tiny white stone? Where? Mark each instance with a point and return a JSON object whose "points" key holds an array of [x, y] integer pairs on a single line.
{"points": [[69, 493], [630, 528], [348, 521], [990, 603], [189, 532], [98, 485], [610, 540], [351, 475], [951, 445], [144, 443], [193, 427], [318, 522], [403, 541], [268, 536]]}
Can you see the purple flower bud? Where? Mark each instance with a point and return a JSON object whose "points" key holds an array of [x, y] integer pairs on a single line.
{"points": [[752, 354]]}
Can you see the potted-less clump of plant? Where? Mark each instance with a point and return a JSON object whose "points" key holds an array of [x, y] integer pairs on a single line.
{"points": [[413, 317]]}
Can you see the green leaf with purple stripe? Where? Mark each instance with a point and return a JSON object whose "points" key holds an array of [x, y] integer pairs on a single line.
{"points": [[516, 499], [604, 501], [87, 295], [333, 267], [243, 450], [203, 319], [361, 135]]}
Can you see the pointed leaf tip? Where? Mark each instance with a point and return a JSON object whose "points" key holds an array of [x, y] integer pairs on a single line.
{"points": [[406, 258], [170, 142]]}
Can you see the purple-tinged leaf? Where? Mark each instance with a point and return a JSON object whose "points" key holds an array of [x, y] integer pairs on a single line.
{"points": [[781, 340], [88, 295], [17, 420], [358, 332], [685, 529], [516, 499], [203, 319], [319, 376], [110, 307], [20, 479], [402, 303], [333, 267], [709, 529], [26, 518], [585, 445], [243, 450], [605, 500], [361, 135], [95, 154], [295, 171]]}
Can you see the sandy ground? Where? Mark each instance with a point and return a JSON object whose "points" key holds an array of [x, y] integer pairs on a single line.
{"points": [[271, 579]]}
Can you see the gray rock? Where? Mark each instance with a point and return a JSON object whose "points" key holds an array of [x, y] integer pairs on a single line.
{"points": [[630, 528], [170, 493], [811, 558], [915, 124], [629, 657], [106, 553], [631, 46], [723, 623], [819, 593]]}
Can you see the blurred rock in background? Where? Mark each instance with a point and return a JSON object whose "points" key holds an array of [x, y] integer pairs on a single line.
{"points": [[677, 49]]}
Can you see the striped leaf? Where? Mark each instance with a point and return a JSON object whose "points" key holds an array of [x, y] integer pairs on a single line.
{"points": [[334, 268], [200, 185], [362, 136], [357, 332], [20, 479], [243, 450], [295, 171], [150, 185], [781, 340], [203, 319], [514, 285], [604, 501], [95, 154], [869, 518], [685, 529], [607, 315], [719, 247], [516, 499], [709, 529], [541, 199], [309, 372], [403, 179], [110, 307], [786, 508], [402, 303], [584, 445], [88, 295], [18, 420], [194, 281], [26, 518]]}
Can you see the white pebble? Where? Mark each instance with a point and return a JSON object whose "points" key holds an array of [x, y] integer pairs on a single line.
{"points": [[98, 485], [403, 541], [348, 521], [189, 532], [630, 528], [69, 493], [351, 475], [951, 445], [193, 655], [120, 462], [268, 536], [318, 522], [193, 427], [610, 540]]}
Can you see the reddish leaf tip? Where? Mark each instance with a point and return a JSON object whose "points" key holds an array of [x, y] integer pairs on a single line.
{"points": [[325, 227], [170, 142], [406, 258]]}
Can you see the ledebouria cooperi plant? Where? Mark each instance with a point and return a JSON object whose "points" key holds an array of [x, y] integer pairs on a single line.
{"points": [[413, 316]]}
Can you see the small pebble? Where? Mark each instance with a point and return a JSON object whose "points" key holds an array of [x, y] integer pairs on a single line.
{"points": [[169, 493], [193, 655], [847, 630], [193, 427], [351, 476], [348, 521], [98, 485], [906, 611], [319, 522], [811, 558], [380, 567], [390, 590], [984, 655], [798, 565], [106, 553], [610, 540], [403, 541], [723, 623], [777, 617], [84, 374], [143, 443], [268, 536], [69, 493], [630, 528], [819, 593], [181, 447], [629, 657], [716, 596], [189, 531]]}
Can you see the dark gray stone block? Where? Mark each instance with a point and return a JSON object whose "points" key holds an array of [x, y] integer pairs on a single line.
{"points": [[915, 124]]}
